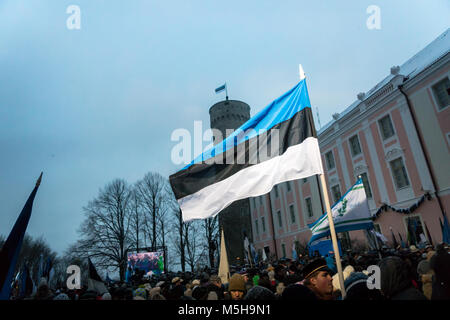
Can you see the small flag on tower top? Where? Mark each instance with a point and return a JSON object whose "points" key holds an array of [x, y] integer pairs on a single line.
{"points": [[221, 88]]}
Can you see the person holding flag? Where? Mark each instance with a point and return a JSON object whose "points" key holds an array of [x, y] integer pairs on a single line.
{"points": [[240, 166]]}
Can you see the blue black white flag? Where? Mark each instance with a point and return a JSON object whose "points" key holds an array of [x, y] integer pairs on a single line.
{"points": [[11, 248], [278, 144], [351, 212], [221, 88]]}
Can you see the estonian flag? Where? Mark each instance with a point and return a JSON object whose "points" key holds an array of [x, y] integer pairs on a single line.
{"points": [[11, 248], [221, 88], [95, 283], [278, 144]]}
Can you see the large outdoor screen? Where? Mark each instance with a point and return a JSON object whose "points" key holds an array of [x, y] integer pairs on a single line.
{"points": [[150, 262]]}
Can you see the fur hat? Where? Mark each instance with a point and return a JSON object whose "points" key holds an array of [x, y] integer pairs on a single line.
{"points": [[177, 279], [106, 296], [236, 283], [348, 270]]}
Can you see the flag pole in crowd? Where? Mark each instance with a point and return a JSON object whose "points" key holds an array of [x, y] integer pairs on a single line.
{"points": [[333, 235], [11, 248], [224, 270], [205, 186]]}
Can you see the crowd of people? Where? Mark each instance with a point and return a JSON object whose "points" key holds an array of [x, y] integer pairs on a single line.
{"points": [[406, 274]]}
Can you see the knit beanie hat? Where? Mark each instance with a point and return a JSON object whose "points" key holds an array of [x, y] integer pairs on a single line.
{"points": [[140, 292], [236, 283], [259, 293]]}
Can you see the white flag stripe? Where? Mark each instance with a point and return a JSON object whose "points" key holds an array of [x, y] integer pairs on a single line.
{"points": [[299, 161]]}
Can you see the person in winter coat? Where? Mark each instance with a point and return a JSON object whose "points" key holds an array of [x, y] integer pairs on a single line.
{"points": [[237, 287], [395, 281], [317, 277], [440, 263], [426, 277]]}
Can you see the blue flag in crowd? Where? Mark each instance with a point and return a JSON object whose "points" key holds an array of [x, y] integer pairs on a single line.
{"points": [[445, 230], [11, 248]]}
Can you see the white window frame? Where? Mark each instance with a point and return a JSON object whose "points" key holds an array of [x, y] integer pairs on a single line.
{"points": [[326, 160], [312, 209], [407, 173], [435, 100], [292, 214], [380, 131], [351, 149]]}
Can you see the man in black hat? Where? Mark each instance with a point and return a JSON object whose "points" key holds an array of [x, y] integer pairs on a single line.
{"points": [[317, 277]]}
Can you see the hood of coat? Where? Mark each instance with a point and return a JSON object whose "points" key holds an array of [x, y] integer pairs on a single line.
{"points": [[394, 276]]}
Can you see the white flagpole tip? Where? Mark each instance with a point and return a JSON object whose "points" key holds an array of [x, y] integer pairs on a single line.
{"points": [[301, 72]]}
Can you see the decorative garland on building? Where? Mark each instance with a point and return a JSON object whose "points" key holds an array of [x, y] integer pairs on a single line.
{"points": [[386, 207]]}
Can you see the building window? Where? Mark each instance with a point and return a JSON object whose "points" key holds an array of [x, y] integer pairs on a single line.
{"points": [[291, 210], [283, 249], [263, 222], [366, 184], [276, 191], [280, 223], [441, 92], [288, 185], [309, 207], [336, 191], [345, 240], [415, 231], [399, 173], [256, 226], [330, 160], [305, 180], [386, 128], [354, 146]]}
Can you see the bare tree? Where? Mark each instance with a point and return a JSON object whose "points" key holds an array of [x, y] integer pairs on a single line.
{"points": [[106, 230], [178, 236], [153, 193], [192, 242], [211, 229], [137, 219]]}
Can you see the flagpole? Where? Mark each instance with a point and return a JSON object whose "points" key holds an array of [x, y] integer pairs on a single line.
{"points": [[337, 255], [273, 227], [333, 234]]}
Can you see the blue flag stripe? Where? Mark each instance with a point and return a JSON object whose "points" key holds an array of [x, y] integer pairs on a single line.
{"points": [[221, 88]]}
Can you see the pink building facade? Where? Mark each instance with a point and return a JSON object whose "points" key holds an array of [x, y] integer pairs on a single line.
{"points": [[396, 137]]}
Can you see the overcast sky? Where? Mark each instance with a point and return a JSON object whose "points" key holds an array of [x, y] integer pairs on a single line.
{"points": [[90, 105]]}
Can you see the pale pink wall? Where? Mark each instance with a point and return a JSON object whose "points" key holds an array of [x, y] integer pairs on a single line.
{"points": [[299, 202], [348, 160], [410, 164], [384, 167], [372, 177]]}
